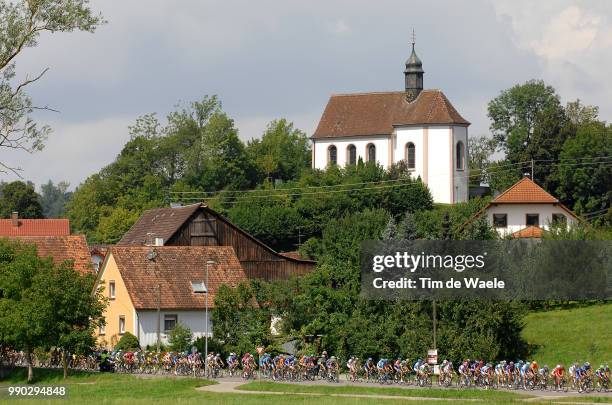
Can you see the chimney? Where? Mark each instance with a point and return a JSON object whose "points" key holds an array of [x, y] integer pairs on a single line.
{"points": [[15, 219]]}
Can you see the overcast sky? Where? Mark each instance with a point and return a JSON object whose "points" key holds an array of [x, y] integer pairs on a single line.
{"points": [[274, 59]]}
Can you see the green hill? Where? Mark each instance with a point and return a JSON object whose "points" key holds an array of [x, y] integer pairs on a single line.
{"points": [[568, 335]]}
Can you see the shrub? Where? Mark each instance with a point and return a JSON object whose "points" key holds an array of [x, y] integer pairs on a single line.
{"points": [[179, 338], [128, 342]]}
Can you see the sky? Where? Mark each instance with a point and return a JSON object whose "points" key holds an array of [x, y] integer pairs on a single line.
{"points": [[283, 59]]}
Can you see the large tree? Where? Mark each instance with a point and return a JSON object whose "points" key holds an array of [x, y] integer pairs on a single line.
{"points": [[22, 22], [19, 197], [282, 152], [53, 198], [44, 305]]}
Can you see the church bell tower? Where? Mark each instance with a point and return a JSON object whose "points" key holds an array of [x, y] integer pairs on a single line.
{"points": [[413, 75]]}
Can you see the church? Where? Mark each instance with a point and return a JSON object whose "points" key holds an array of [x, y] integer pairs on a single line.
{"points": [[420, 127]]}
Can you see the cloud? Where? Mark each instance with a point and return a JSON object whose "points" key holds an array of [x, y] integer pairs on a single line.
{"points": [[340, 27], [73, 151]]}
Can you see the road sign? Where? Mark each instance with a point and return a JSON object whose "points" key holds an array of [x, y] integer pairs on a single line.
{"points": [[432, 356]]}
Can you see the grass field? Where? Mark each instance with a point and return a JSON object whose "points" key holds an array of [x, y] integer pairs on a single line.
{"points": [[379, 390], [568, 335], [94, 388]]}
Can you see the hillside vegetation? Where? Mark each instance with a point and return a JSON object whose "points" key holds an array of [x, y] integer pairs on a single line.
{"points": [[568, 335]]}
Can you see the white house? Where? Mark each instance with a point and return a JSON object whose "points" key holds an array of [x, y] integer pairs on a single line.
{"points": [[420, 127], [525, 210], [152, 288]]}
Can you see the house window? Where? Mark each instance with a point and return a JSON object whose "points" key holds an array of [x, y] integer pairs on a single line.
{"points": [[111, 290], [121, 324], [500, 220], [460, 156], [169, 322], [332, 155], [559, 219], [532, 219], [101, 329], [371, 149], [351, 152], [411, 155]]}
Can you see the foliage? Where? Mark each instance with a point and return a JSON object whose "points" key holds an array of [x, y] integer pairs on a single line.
{"points": [[53, 199], [480, 150], [127, 342], [22, 23], [19, 197], [238, 321], [43, 304], [281, 153], [179, 338], [585, 182], [451, 222]]}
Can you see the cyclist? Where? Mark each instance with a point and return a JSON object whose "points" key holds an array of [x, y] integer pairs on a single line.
{"points": [[557, 374], [369, 368]]}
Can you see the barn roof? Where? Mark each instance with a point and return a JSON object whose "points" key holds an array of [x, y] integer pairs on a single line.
{"points": [[367, 114], [174, 268]]}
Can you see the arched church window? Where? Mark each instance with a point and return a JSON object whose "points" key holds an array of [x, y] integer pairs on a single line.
{"points": [[371, 149], [460, 156], [332, 155], [410, 155], [351, 152]]}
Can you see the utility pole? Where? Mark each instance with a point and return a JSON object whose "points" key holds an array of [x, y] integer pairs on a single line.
{"points": [[434, 325], [532, 170], [208, 262], [158, 317]]}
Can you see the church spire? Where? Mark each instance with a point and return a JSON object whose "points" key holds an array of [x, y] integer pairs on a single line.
{"points": [[413, 74]]}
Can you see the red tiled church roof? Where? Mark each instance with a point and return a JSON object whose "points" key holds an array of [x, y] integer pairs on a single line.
{"points": [[34, 227], [62, 248], [377, 113], [174, 268]]}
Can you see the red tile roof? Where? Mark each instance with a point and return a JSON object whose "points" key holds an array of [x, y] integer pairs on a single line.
{"points": [[173, 269], [62, 248], [377, 113], [529, 232], [35, 227], [525, 191]]}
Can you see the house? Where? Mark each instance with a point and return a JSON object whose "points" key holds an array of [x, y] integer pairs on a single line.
{"points": [[98, 253], [417, 126], [198, 225], [52, 239], [151, 287], [525, 210]]}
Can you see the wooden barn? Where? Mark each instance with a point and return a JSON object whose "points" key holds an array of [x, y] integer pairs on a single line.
{"points": [[198, 225]]}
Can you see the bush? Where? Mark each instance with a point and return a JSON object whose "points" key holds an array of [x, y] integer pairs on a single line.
{"points": [[179, 338], [127, 342]]}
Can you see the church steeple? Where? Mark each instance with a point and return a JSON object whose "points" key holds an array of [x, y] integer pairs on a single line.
{"points": [[413, 74]]}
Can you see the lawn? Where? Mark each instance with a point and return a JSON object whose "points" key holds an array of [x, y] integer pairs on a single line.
{"points": [[445, 393], [94, 388], [569, 335]]}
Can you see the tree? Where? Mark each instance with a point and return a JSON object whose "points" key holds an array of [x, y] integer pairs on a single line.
{"points": [[20, 197], [128, 342], [585, 173], [480, 150], [180, 338], [44, 305], [22, 23], [53, 199], [76, 312], [282, 153]]}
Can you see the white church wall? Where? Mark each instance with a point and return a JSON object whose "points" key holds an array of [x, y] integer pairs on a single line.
{"points": [[439, 176], [461, 177], [402, 137], [321, 147]]}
